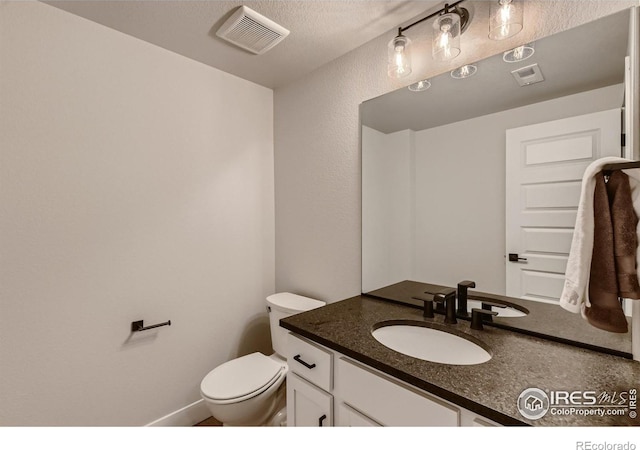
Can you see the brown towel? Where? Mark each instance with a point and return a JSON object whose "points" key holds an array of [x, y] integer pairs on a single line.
{"points": [[625, 238], [613, 265]]}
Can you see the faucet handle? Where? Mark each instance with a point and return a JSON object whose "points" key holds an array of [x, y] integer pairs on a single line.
{"points": [[444, 294], [427, 310], [486, 305], [448, 297], [477, 316]]}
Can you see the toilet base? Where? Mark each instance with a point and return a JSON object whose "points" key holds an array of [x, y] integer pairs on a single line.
{"points": [[280, 418], [275, 415]]}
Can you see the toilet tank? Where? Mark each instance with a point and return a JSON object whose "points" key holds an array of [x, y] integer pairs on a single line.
{"points": [[285, 304]]}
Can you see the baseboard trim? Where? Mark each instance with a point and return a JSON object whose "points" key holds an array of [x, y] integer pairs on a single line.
{"points": [[188, 416]]}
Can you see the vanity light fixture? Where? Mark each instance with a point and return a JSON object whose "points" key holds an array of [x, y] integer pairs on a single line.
{"points": [[519, 53], [420, 86], [452, 21], [446, 36], [399, 56], [505, 19], [464, 72]]}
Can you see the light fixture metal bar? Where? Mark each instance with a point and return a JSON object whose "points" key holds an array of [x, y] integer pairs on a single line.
{"points": [[432, 15]]}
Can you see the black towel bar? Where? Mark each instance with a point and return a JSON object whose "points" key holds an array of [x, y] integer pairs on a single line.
{"points": [[138, 325], [608, 168]]}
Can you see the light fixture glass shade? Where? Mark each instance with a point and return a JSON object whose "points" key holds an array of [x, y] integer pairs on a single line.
{"points": [[399, 57], [446, 37], [519, 53], [464, 71], [420, 86], [505, 19]]}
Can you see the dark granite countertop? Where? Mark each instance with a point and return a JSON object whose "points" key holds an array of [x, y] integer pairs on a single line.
{"points": [[491, 389], [544, 319]]}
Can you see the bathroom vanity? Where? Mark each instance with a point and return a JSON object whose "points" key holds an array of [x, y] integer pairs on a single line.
{"points": [[345, 392], [340, 375]]}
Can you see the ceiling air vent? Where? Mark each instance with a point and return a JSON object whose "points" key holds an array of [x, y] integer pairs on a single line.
{"points": [[528, 75], [252, 31]]}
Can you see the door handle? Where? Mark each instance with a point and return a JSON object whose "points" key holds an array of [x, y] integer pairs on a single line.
{"points": [[514, 257], [321, 419]]}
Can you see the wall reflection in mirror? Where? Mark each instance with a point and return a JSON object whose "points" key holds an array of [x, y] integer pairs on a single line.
{"points": [[457, 176]]}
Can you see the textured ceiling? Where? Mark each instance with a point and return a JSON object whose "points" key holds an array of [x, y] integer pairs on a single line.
{"points": [[320, 30]]}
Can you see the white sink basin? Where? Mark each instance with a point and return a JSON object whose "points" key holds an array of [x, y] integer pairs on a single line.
{"points": [[431, 344], [502, 312]]}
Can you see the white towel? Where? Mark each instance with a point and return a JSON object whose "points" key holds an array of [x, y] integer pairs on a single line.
{"points": [[575, 292]]}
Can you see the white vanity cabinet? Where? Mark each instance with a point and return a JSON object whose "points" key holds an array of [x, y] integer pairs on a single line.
{"points": [[309, 384], [322, 382]]}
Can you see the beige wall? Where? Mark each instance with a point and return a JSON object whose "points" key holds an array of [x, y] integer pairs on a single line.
{"points": [[317, 144], [135, 184], [469, 239], [388, 208]]}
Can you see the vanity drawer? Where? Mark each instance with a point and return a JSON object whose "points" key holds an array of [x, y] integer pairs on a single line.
{"points": [[311, 362], [389, 403]]}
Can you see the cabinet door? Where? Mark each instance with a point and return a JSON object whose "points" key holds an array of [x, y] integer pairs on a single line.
{"points": [[470, 419], [349, 417], [389, 402], [307, 405]]}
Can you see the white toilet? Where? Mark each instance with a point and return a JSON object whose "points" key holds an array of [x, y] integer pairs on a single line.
{"points": [[249, 390]]}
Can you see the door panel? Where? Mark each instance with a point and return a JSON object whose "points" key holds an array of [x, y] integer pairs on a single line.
{"points": [[542, 285], [560, 148], [551, 195], [545, 163], [547, 240]]}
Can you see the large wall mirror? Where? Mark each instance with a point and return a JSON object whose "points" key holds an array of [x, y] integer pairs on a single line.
{"points": [[445, 197]]}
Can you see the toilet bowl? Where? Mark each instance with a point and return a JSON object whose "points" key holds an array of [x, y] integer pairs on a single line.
{"points": [[249, 390], [244, 390]]}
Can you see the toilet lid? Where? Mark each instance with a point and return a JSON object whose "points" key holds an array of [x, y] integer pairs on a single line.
{"points": [[241, 377], [292, 303]]}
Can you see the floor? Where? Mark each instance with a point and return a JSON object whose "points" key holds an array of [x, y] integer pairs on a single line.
{"points": [[210, 422]]}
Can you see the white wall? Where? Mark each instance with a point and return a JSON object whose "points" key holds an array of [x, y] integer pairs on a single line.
{"points": [[317, 146], [387, 207], [135, 184]]}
